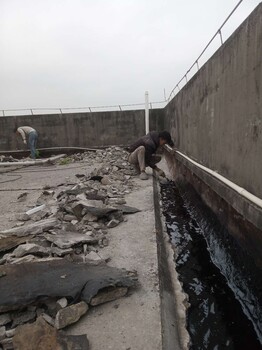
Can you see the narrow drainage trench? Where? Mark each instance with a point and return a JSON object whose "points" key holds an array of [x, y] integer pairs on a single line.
{"points": [[215, 318]]}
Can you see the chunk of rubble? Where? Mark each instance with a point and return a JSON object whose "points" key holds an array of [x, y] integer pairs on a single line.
{"points": [[67, 239], [94, 258], [31, 229], [127, 209], [62, 303], [30, 248], [23, 284], [70, 314], [4, 319], [22, 317], [2, 332], [41, 336], [7, 243], [10, 333], [96, 208], [108, 294]]}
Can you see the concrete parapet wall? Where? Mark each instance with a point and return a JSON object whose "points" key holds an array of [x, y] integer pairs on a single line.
{"points": [[216, 119], [80, 129]]}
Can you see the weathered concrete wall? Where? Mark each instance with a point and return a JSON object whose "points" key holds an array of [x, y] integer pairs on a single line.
{"points": [[216, 119], [81, 129]]}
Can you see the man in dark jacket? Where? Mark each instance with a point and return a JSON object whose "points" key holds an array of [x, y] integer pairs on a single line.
{"points": [[142, 152]]}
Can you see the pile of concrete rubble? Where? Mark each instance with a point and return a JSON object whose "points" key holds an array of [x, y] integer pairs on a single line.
{"points": [[52, 266]]}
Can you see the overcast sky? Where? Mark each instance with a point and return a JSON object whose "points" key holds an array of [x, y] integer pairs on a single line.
{"points": [[74, 53]]}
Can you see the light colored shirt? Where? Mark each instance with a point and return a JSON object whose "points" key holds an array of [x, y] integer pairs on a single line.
{"points": [[24, 130]]}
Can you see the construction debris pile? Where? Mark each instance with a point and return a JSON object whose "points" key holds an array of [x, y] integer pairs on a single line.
{"points": [[52, 266]]}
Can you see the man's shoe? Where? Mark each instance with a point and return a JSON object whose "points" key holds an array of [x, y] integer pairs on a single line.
{"points": [[143, 176]]}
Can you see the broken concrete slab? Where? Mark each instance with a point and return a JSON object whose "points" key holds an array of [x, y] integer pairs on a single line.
{"points": [[93, 258], [23, 284], [22, 317], [7, 344], [108, 294], [127, 209], [67, 239], [7, 243], [70, 314], [30, 248], [4, 319], [82, 207], [41, 336], [32, 229], [2, 332], [10, 333]]}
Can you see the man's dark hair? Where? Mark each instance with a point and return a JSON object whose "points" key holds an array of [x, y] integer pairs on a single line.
{"points": [[15, 129], [167, 137]]}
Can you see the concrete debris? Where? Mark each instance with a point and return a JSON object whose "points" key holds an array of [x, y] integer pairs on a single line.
{"points": [[30, 248], [7, 243], [109, 294], [65, 240], [125, 209], [22, 317], [94, 258], [2, 332], [23, 217], [41, 336], [10, 333], [24, 284], [62, 303], [4, 319], [52, 257], [31, 229], [70, 314], [7, 344]]}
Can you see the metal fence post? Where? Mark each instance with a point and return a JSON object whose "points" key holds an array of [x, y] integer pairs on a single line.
{"points": [[146, 112]]}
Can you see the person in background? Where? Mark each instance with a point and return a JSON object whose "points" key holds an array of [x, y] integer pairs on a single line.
{"points": [[142, 152], [30, 133]]}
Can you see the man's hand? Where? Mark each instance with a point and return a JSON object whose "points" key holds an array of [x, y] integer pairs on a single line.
{"points": [[160, 172], [25, 142]]}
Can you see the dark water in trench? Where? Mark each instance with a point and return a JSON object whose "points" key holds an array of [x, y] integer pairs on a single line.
{"points": [[215, 317]]}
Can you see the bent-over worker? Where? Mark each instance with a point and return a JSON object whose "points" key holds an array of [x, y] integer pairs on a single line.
{"points": [[142, 152], [27, 131]]}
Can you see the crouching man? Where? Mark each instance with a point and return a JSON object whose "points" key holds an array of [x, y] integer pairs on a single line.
{"points": [[142, 152]]}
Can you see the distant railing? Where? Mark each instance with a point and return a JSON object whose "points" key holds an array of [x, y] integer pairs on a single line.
{"points": [[123, 107], [196, 62]]}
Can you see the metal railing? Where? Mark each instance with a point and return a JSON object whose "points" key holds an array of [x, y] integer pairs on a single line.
{"points": [[64, 110], [196, 62]]}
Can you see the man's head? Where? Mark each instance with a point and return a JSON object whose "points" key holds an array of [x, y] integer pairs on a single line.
{"points": [[15, 130], [165, 137]]}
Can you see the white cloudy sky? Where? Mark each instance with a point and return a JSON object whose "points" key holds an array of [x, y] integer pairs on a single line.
{"points": [[72, 53]]}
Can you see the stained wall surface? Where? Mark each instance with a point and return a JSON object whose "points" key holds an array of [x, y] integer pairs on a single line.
{"points": [[80, 129], [216, 119]]}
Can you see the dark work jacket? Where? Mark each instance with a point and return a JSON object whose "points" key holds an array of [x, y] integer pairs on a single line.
{"points": [[151, 144]]}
